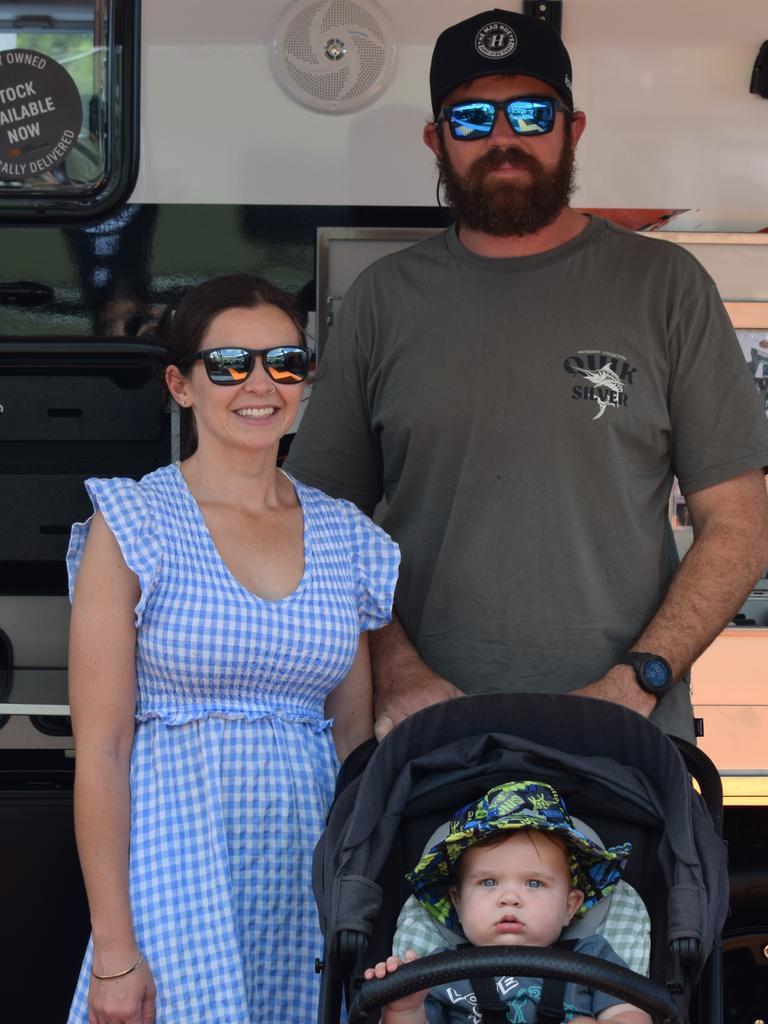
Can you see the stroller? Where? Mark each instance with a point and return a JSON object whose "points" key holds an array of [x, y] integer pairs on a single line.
{"points": [[615, 770]]}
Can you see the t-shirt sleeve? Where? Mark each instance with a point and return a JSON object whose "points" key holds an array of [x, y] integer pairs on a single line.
{"points": [[719, 427], [129, 511], [375, 561], [336, 448]]}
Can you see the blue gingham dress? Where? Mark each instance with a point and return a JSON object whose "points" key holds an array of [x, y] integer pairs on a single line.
{"points": [[233, 763]]}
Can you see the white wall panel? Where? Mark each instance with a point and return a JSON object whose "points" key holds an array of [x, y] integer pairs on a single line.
{"points": [[664, 84]]}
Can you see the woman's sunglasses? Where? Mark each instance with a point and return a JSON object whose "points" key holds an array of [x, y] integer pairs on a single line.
{"points": [[527, 115], [285, 364]]}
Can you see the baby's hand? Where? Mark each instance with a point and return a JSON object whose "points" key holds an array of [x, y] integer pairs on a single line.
{"points": [[389, 966]]}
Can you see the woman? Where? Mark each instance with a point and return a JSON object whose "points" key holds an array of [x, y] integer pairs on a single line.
{"points": [[218, 619]]}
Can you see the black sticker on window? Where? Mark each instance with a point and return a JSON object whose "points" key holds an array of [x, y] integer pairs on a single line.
{"points": [[40, 114]]}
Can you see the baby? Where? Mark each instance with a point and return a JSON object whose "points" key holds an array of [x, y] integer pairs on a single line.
{"points": [[513, 871]]}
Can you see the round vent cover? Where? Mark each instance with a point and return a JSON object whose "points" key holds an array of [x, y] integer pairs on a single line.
{"points": [[333, 55]]}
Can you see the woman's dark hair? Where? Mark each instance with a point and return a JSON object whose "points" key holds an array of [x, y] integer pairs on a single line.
{"points": [[181, 329]]}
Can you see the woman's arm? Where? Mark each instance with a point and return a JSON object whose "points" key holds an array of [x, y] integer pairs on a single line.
{"points": [[102, 693], [350, 705]]}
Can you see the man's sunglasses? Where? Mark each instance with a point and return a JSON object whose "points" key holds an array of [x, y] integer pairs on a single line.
{"points": [[527, 115], [284, 364]]}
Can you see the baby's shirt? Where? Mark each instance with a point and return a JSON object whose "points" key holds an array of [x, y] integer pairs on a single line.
{"points": [[454, 1003]]}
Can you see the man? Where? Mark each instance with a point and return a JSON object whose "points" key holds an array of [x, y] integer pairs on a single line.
{"points": [[521, 390]]}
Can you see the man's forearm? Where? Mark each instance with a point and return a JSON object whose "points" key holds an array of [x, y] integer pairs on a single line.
{"points": [[395, 662], [711, 584], [402, 682], [729, 553]]}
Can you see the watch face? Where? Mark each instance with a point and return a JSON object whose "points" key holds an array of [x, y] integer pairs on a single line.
{"points": [[655, 673]]}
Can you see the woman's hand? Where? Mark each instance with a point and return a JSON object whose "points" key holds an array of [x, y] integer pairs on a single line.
{"points": [[126, 1000]]}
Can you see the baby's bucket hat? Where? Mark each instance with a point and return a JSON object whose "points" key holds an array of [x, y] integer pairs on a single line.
{"points": [[514, 805]]}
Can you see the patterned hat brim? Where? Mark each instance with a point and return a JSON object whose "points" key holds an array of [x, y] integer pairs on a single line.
{"points": [[595, 870]]}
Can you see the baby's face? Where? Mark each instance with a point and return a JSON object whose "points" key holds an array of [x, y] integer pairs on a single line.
{"points": [[516, 893]]}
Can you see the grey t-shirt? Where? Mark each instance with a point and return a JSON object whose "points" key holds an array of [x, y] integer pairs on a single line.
{"points": [[454, 1003], [524, 418]]}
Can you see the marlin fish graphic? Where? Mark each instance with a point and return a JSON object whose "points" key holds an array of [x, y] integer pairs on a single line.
{"points": [[605, 377]]}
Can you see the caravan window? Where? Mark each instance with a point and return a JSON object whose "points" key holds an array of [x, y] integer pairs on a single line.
{"points": [[68, 108]]}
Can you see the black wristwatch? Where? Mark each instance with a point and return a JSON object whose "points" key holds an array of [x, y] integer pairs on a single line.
{"points": [[653, 672]]}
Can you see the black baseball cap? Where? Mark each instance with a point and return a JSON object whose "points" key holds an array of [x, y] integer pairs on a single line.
{"points": [[498, 43]]}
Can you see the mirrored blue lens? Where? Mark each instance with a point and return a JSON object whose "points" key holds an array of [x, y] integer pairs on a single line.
{"points": [[472, 120], [531, 117]]}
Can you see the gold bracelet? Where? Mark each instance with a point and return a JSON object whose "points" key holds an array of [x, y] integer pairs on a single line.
{"points": [[120, 974]]}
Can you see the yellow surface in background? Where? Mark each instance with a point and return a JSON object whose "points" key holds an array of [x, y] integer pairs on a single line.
{"points": [[745, 790]]}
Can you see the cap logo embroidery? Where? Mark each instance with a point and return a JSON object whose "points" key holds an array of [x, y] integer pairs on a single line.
{"points": [[496, 40]]}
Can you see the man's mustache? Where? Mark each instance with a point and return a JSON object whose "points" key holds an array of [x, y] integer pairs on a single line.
{"points": [[499, 157]]}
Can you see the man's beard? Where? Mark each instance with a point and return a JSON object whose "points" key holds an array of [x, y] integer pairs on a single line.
{"points": [[498, 207]]}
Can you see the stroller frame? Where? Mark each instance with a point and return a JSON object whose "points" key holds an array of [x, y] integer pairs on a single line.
{"points": [[606, 762]]}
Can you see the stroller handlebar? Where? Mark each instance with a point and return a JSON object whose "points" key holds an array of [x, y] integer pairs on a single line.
{"points": [[530, 961]]}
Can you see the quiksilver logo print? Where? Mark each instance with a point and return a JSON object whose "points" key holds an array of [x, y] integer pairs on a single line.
{"points": [[604, 377]]}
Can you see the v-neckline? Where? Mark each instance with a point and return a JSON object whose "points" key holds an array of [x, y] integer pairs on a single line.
{"points": [[300, 586]]}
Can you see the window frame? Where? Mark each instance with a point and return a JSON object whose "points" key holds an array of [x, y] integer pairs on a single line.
{"points": [[49, 208]]}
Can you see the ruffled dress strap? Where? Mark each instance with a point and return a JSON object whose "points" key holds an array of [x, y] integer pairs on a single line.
{"points": [[373, 557], [129, 510], [376, 558]]}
